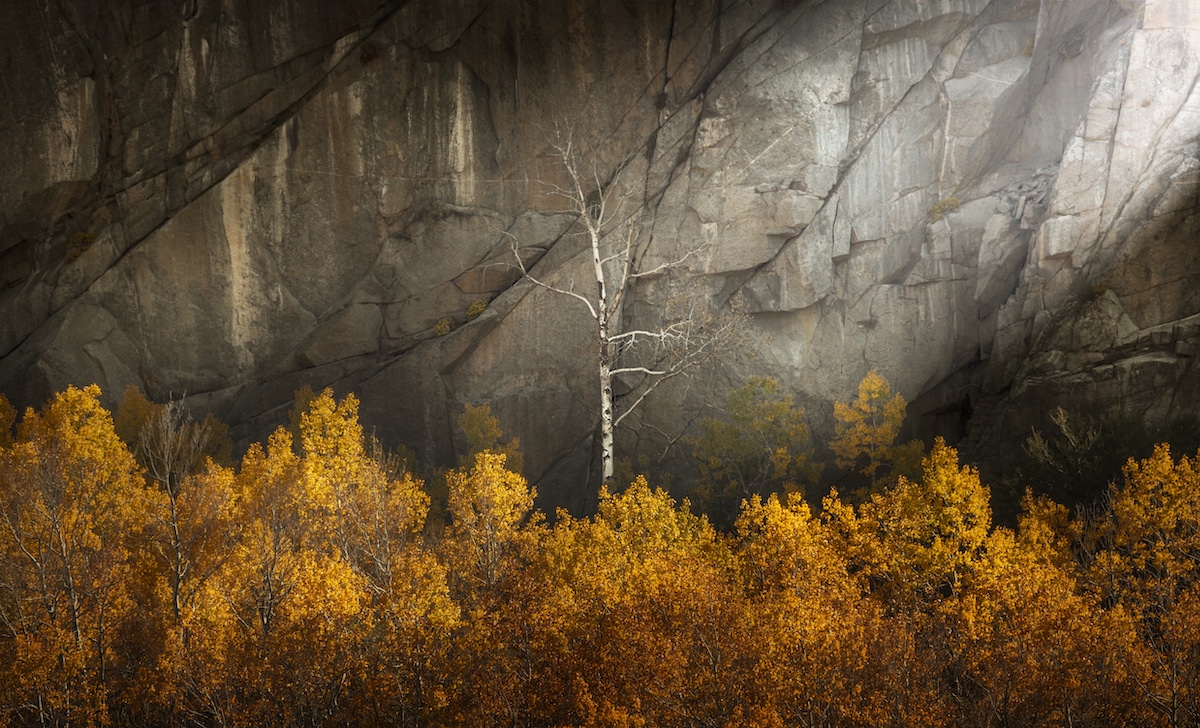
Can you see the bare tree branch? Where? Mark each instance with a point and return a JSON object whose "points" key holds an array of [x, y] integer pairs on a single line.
{"points": [[525, 274], [684, 340]]}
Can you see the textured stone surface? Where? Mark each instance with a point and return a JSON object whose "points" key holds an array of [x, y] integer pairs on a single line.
{"points": [[992, 203]]}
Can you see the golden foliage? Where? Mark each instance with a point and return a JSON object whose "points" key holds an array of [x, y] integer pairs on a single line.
{"points": [[865, 433], [8, 415], [302, 589], [482, 429], [489, 505], [763, 447], [69, 511], [917, 539]]}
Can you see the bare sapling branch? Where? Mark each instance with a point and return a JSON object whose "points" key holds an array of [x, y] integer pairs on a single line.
{"points": [[689, 333], [516, 248]]}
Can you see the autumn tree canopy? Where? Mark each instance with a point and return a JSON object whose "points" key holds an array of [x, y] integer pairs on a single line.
{"points": [[302, 586]]}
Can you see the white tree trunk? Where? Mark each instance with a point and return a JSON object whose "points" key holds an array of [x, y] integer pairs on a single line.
{"points": [[606, 409], [691, 337]]}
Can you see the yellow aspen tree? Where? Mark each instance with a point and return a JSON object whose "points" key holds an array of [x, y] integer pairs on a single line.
{"points": [[132, 414], [1181, 629], [314, 664], [685, 643], [807, 613], [190, 529], [188, 499], [189, 532], [1051, 539], [377, 516], [333, 463], [762, 447], [265, 566], [285, 614], [519, 649], [895, 685], [866, 429], [300, 401], [915, 540], [571, 593], [256, 582], [489, 505], [406, 656], [502, 653], [482, 429], [671, 636], [1144, 556], [901, 683], [68, 513], [1027, 643]]}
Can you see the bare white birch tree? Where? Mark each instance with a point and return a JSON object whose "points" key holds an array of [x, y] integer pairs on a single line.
{"points": [[689, 334]]}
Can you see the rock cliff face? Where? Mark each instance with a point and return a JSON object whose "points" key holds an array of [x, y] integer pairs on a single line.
{"points": [[992, 202]]}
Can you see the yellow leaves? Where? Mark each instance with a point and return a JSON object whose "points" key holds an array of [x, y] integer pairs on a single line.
{"points": [[1142, 555], [1027, 637], [405, 652], [647, 521], [334, 460], [1156, 515], [919, 537], [378, 520], [69, 478], [806, 613], [782, 547], [1147, 545], [189, 532], [68, 513], [73, 438], [488, 504], [301, 399], [8, 416], [872, 421], [132, 414], [304, 589], [325, 605], [165, 439], [763, 447], [269, 486], [865, 432], [330, 436], [483, 434]]}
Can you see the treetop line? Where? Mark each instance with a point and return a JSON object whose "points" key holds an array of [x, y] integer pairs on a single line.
{"points": [[145, 581]]}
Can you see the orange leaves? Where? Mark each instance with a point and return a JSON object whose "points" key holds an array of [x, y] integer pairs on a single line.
{"points": [[1026, 638], [1143, 554], [304, 589], [806, 613], [1155, 521], [783, 548]]}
